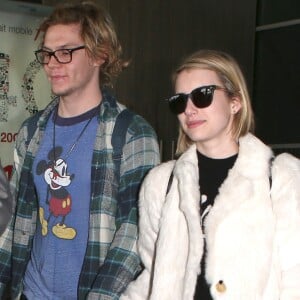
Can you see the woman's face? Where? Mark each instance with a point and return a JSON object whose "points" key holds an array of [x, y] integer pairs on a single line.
{"points": [[210, 127]]}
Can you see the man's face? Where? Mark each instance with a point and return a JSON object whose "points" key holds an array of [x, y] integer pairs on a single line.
{"points": [[77, 77]]}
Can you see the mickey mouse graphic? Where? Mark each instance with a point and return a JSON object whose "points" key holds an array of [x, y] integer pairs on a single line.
{"points": [[58, 198]]}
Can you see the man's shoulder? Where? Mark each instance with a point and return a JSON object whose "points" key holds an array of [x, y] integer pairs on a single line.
{"points": [[115, 111], [140, 126], [40, 114]]}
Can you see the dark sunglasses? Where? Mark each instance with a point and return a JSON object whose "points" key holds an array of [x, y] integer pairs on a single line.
{"points": [[201, 97]]}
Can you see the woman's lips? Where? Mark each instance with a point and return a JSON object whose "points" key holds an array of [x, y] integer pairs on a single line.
{"points": [[193, 124]]}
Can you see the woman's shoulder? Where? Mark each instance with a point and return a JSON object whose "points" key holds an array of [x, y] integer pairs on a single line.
{"points": [[286, 167], [154, 188], [162, 170], [158, 177], [285, 189]]}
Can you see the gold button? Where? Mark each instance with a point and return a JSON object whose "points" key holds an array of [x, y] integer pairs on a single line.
{"points": [[221, 287]]}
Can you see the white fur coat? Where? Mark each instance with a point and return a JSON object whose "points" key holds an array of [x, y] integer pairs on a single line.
{"points": [[253, 238]]}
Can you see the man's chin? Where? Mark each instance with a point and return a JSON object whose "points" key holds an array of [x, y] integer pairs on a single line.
{"points": [[59, 93]]}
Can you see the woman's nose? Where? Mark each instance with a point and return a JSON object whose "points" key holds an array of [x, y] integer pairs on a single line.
{"points": [[190, 108]]}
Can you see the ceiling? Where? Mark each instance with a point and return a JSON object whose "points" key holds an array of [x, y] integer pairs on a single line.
{"points": [[32, 7], [44, 2], [37, 7]]}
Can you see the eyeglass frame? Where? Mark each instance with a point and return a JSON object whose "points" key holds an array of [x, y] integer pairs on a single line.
{"points": [[190, 96], [52, 53]]}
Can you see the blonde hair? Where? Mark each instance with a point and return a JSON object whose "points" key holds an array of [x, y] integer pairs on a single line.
{"points": [[231, 76], [97, 31]]}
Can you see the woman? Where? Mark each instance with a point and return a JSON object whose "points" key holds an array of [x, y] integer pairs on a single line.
{"points": [[229, 226]]}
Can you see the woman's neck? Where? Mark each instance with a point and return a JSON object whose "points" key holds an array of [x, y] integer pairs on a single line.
{"points": [[218, 150]]}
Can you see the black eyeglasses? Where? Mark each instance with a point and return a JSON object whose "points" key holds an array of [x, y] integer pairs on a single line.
{"points": [[63, 56], [201, 97]]}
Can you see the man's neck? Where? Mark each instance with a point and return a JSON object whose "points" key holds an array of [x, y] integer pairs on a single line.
{"points": [[71, 106]]}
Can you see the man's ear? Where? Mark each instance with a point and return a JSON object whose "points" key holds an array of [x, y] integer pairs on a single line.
{"points": [[98, 62]]}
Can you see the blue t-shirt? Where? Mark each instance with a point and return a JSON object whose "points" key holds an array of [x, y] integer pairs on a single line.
{"points": [[62, 176]]}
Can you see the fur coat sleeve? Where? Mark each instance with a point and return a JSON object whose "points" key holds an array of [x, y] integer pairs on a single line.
{"points": [[286, 204], [149, 223]]}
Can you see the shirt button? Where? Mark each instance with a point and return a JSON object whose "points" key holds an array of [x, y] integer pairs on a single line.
{"points": [[220, 286]]}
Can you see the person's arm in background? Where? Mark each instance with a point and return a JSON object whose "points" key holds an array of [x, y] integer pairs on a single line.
{"points": [[6, 210], [122, 262], [6, 220], [6, 201]]}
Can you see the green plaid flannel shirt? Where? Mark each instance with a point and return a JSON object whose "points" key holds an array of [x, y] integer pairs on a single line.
{"points": [[111, 259]]}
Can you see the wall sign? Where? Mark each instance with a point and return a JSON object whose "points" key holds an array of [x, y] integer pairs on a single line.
{"points": [[23, 85]]}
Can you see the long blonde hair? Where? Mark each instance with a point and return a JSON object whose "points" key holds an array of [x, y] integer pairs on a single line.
{"points": [[231, 76]]}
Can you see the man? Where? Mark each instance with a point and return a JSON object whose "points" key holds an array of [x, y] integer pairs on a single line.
{"points": [[75, 228]]}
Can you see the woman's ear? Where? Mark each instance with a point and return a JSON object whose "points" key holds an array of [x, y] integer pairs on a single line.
{"points": [[235, 105]]}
